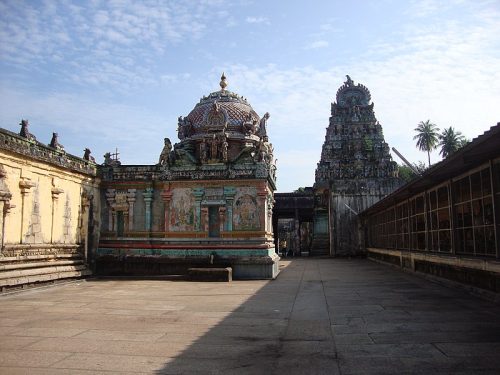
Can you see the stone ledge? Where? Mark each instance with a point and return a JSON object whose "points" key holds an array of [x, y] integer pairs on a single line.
{"points": [[43, 278], [49, 269], [210, 274]]}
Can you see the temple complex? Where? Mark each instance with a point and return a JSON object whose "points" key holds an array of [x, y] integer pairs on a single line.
{"points": [[355, 171], [208, 201]]}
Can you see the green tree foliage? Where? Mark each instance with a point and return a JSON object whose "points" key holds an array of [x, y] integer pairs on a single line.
{"points": [[463, 142], [427, 137], [450, 141], [407, 174]]}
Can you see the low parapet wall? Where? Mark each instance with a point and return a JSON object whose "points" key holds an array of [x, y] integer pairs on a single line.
{"points": [[478, 273]]}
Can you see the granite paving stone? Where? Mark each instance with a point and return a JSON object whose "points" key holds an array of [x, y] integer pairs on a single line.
{"points": [[320, 316]]}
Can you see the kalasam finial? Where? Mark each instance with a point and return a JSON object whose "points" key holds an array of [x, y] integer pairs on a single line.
{"points": [[223, 83]]}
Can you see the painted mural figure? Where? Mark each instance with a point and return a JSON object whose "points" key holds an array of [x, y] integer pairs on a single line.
{"points": [[246, 213]]}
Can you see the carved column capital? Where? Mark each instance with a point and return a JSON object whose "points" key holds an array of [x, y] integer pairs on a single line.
{"points": [[25, 185]]}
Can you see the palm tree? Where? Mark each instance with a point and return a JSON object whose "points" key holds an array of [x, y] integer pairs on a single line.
{"points": [[427, 137], [450, 141]]}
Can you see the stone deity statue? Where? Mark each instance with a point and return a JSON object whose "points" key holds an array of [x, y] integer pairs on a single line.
{"points": [[165, 153], [25, 131], [203, 152], [54, 143], [263, 126], [249, 125], [87, 156], [224, 147]]}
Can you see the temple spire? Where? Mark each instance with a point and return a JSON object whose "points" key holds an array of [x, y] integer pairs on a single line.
{"points": [[223, 83]]}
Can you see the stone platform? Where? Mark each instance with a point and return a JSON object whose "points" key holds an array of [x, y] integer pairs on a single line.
{"points": [[321, 316]]}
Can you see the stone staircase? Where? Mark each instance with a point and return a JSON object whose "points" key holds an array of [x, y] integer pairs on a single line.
{"points": [[320, 245], [22, 271]]}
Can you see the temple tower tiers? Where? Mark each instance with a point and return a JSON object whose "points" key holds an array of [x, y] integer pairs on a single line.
{"points": [[355, 171], [208, 201]]}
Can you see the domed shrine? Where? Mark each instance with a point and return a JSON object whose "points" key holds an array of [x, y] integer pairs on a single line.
{"points": [[207, 202], [355, 171]]}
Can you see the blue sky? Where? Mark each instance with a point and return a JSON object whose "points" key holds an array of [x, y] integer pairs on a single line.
{"points": [[118, 73]]}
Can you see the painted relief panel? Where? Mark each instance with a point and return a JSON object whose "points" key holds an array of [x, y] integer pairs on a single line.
{"points": [[246, 210], [182, 210]]}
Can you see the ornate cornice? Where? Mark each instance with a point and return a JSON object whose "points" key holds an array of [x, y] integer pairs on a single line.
{"points": [[33, 149]]}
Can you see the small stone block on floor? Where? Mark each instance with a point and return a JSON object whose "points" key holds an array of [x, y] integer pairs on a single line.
{"points": [[210, 274]]}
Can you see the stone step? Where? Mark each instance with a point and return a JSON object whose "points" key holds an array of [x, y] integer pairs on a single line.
{"points": [[23, 265], [24, 280], [19, 271], [12, 274], [320, 246]]}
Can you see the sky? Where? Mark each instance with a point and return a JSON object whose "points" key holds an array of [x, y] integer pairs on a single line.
{"points": [[118, 73]]}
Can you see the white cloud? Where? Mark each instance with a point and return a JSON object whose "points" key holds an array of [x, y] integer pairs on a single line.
{"points": [[318, 44], [447, 74], [259, 19], [99, 35]]}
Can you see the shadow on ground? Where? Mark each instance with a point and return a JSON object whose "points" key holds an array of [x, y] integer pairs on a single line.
{"points": [[321, 316], [324, 316]]}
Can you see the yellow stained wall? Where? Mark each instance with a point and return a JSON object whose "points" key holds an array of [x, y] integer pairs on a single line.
{"points": [[59, 219]]}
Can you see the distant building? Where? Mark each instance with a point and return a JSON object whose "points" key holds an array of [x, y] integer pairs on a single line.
{"points": [[355, 171], [447, 222]]}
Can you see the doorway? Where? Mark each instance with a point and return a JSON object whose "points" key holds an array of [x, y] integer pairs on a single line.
{"points": [[213, 221]]}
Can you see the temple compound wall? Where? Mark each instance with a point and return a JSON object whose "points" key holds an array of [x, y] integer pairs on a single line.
{"points": [[207, 203], [355, 171], [48, 210], [447, 222]]}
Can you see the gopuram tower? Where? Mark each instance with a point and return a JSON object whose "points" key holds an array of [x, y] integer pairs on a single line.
{"points": [[207, 203], [355, 171]]}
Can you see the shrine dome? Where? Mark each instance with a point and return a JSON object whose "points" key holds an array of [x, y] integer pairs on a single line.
{"points": [[218, 109]]}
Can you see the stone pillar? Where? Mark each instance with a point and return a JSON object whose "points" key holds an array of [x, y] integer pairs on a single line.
{"points": [[110, 198], [222, 216], [166, 196], [148, 198], [5, 197], [262, 194], [229, 193], [198, 195], [131, 200], [204, 219], [270, 205], [55, 197], [25, 185], [86, 198]]}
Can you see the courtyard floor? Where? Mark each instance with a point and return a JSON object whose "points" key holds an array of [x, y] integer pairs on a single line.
{"points": [[321, 316]]}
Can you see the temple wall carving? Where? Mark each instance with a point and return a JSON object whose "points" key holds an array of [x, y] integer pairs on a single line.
{"points": [[46, 205]]}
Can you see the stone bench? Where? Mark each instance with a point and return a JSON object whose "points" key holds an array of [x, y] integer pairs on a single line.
{"points": [[210, 274]]}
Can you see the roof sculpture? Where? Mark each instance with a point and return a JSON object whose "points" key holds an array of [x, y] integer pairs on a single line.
{"points": [[222, 137]]}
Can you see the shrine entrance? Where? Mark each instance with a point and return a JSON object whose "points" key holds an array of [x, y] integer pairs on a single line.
{"points": [[213, 221]]}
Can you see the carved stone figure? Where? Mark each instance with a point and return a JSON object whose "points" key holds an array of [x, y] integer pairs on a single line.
{"points": [[263, 125], [54, 142], [107, 159], [184, 128], [87, 156], [25, 131], [249, 125], [165, 153], [203, 152], [213, 148], [224, 147]]}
